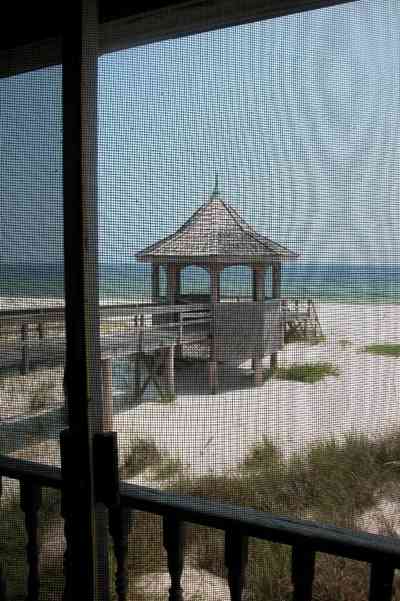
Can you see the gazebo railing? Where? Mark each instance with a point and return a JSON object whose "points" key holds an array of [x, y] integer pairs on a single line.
{"points": [[238, 523]]}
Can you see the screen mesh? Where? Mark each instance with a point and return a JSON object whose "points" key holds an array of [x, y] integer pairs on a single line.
{"points": [[32, 338], [249, 288], [291, 126]]}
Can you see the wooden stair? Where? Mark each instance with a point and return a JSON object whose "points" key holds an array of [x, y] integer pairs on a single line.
{"points": [[302, 321]]}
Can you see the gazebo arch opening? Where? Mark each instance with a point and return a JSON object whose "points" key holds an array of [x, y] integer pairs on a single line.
{"points": [[195, 284], [236, 282]]}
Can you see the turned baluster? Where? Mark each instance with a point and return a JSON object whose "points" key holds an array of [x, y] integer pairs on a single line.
{"points": [[66, 515], [303, 567], [25, 352], [3, 587], [120, 522], [173, 539], [30, 501], [381, 581], [236, 556]]}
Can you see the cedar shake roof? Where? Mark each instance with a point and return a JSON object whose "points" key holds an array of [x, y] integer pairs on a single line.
{"points": [[215, 233]]}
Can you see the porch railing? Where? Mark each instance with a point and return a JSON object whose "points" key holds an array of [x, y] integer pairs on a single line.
{"points": [[239, 524]]}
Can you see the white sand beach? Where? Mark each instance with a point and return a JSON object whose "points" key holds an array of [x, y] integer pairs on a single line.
{"points": [[213, 433]]}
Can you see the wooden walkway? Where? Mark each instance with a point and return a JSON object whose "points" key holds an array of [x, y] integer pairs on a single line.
{"points": [[33, 338], [147, 335]]}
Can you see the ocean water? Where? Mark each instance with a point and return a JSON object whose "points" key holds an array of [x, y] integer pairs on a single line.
{"points": [[346, 283]]}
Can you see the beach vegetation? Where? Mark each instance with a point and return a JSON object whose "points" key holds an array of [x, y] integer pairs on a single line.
{"points": [[308, 373], [167, 468], [390, 350], [41, 395], [166, 396], [332, 481], [143, 454]]}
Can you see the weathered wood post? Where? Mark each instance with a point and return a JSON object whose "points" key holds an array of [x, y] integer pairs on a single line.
{"points": [[25, 351], [258, 296], [172, 279], [214, 271], [155, 283], [41, 329], [138, 378], [168, 368], [107, 411], [276, 293], [86, 517]]}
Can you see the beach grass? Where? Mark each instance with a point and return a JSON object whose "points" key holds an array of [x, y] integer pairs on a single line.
{"points": [[343, 342], [142, 455], [166, 396], [308, 373], [388, 349], [331, 481], [167, 468]]}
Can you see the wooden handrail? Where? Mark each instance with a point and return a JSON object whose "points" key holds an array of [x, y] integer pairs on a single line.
{"points": [[344, 542], [239, 523]]}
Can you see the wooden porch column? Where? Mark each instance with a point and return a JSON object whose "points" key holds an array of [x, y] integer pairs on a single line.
{"points": [[155, 283], [276, 293], [86, 519], [258, 296], [215, 296]]}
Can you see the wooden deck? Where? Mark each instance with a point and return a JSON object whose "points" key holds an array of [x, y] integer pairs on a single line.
{"points": [[34, 338]]}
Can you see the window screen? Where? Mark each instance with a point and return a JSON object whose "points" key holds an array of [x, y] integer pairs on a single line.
{"points": [[32, 337], [254, 170], [249, 288]]}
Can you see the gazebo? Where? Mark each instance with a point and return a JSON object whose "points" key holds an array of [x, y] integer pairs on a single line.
{"points": [[216, 237]]}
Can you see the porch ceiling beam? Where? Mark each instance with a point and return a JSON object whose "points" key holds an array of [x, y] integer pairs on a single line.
{"points": [[31, 39]]}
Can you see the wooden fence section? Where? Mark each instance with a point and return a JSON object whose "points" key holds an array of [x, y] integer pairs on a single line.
{"points": [[305, 538]]}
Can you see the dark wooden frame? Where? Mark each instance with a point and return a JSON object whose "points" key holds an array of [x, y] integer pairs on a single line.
{"points": [[85, 518]]}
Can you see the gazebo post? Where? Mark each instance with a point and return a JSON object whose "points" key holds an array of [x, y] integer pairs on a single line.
{"points": [[155, 283], [178, 283], [214, 271], [258, 296], [178, 291], [172, 272], [276, 293]]}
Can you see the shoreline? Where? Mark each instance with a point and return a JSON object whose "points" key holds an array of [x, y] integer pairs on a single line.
{"points": [[8, 303]]}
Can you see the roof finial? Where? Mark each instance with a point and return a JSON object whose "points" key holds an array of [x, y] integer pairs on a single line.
{"points": [[216, 188]]}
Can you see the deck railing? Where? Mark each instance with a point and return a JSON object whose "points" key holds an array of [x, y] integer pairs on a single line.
{"points": [[238, 523], [27, 334]]}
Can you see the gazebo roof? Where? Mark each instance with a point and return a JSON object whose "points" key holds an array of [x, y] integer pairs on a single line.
{"points": [[215, 233]]}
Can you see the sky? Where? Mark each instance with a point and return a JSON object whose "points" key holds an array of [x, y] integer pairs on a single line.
{"points": [[298, 115]]}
